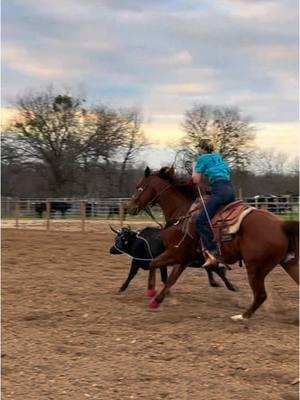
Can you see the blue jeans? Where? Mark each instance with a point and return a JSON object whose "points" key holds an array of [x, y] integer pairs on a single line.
{"points": [[222, 193]]}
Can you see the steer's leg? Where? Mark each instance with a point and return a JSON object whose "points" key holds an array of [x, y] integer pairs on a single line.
{"points": [[164, 274], [132, 272]]}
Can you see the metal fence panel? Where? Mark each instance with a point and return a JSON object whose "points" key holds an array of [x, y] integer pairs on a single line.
{"points": [[52, 213]]}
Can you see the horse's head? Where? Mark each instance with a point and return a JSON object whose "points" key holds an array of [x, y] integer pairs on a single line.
{"points": [[149, 188]]}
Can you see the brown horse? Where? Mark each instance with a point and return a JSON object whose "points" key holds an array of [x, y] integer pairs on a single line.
{"points": [[263, 240]]}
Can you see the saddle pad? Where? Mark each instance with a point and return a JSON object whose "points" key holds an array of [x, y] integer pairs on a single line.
{"points": [[231, 229]]}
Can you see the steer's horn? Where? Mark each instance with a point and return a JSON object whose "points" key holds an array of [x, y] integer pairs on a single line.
{"points": [[113, 229]]}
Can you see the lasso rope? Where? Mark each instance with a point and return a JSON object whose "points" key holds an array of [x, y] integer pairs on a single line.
{"points": [[207, 216], [138, 258]]}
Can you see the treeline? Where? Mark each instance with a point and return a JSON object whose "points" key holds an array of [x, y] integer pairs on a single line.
{"points": [[58, 146]]}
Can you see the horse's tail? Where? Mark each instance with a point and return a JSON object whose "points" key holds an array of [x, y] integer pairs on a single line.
{"points": [[291, 229]]}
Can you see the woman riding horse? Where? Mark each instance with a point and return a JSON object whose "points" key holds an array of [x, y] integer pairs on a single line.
{"points": [[210, 165], [262, 242]]}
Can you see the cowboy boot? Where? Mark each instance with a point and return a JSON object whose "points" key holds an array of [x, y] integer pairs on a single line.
{"points": [[211, 258]]}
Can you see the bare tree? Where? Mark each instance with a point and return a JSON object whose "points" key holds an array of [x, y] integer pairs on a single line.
{"points": [[11, 154], [293, 166], [230, 132], [264, 162], [112, 141], [133, 141], [49, 127]]}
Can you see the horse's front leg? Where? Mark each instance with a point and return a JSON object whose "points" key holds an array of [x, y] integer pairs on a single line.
{"points": [[151, 292], [164, 260], [161, 261], [175, 274]]}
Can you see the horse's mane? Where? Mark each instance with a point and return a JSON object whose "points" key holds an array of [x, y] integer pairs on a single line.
{"points": [[181, 183]]}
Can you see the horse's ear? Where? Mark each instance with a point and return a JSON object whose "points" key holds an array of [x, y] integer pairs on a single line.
{"points": [[166, 172], [147, 172]]}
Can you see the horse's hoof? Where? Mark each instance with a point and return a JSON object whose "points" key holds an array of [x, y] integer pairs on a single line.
{"points": [[153, 304], [151, 292], [238, 317]]}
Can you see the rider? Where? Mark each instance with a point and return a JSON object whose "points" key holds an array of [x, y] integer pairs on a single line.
{"points": [[212, 166]]}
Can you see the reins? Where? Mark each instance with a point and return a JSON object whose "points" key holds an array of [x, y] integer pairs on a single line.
{"points": [[149, 212], [147, 207]]}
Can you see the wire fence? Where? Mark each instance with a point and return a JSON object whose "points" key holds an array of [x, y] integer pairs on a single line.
{"points": [[95, 214]]}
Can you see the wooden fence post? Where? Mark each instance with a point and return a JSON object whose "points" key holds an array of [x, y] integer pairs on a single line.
{"points": [[17, 213], [48, 215], [121, 214], [7, 207], [83, 215]]}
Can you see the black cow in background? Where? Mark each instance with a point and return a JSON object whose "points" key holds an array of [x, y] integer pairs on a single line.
{"points": [[93, 209], [113, 211], [137, 244], [60, 206], [266, 202], [90, 210]]}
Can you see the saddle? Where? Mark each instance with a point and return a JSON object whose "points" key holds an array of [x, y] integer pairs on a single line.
{"points": [[228, 220]]}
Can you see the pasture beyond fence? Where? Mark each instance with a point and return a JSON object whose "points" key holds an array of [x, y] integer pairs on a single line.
{"points": [[86, 215]]}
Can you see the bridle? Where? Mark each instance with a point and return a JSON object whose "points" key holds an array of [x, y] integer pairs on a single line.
{"points": [[142, 189]]}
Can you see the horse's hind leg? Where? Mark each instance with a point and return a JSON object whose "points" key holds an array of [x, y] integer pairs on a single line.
{"points": [[292, 268], [256, 278]]}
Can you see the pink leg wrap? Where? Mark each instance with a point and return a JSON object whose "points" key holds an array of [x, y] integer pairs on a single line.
{"points": [[154, 304], [151, 292]]}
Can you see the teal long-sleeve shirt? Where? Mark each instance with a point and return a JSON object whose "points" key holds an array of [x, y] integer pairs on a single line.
{"points": [[213, 166]]}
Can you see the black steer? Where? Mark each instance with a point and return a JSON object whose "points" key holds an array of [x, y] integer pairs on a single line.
{"points": [[148, 244], [131, 242]]}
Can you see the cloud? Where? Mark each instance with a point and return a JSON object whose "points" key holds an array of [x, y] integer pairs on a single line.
{"points": [[282, 136], [21, 60], [181, 58], [163, 56]]}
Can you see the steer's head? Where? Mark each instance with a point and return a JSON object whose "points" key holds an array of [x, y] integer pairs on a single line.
{"points": [[124, 240]]}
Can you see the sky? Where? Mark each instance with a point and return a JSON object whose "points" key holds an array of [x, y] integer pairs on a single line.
{"points": [[163, 57]]}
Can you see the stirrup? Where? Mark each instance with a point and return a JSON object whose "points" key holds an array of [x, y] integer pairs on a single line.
{"points": [[211, 260]]}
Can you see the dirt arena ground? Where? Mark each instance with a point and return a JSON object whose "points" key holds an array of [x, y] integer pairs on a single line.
{"points": [[67, 334]]}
